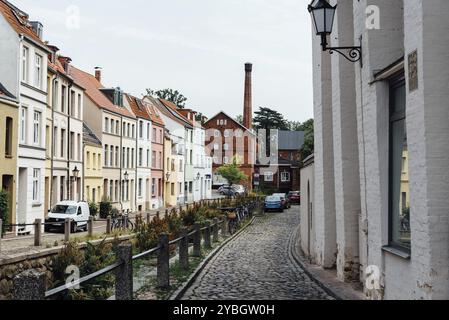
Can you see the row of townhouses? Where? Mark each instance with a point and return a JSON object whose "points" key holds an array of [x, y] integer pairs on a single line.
{"points": [[65, 136]]}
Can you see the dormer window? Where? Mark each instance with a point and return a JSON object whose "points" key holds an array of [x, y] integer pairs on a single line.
{"points": [[38, 28]]}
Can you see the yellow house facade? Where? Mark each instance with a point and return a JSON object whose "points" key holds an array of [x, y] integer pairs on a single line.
{"points": [[9, 114], [93, 173], [171, 173]]}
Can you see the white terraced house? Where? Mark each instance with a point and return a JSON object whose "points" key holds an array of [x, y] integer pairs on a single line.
{"points": [[23, 70]]}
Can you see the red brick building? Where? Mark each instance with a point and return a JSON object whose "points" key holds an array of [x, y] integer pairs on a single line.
{"points": [[227, 139]]}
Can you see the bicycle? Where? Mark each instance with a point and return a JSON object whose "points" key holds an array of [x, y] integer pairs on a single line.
{"points": [[122, 222]]}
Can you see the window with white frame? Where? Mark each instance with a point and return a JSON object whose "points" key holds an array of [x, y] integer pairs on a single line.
{"points": [[268, 176], [38, 71], [217, 133], [227, 133], [25, 59], [141, 129], [226, 147], [23, 124], [37, 128], [36, 181], [225, 160], [216, 146], [140, 192], [285, 177]]}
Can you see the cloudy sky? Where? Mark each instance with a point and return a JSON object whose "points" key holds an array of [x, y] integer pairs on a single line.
{"points": [[197, 46]]}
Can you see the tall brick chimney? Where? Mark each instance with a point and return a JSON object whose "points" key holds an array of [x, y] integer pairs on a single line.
{"points": [[248, 104], [98, 74]]}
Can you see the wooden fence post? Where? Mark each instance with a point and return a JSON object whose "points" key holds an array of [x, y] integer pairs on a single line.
{"points": [[184, 249], [108, 225], [163, 262], [197, 240], [124, 274], [207, 242], [38, 233], [90, 227], [215, 230], [67, 226]]}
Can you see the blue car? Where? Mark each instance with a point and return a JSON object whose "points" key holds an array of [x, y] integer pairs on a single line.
{"points": [[273, 203]]}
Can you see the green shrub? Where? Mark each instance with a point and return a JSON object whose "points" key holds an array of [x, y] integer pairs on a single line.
{"points": [[92, 259], [105, 209], [93, 208], [4, 209]]}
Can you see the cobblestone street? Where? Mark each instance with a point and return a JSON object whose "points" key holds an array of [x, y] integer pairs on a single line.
{"points": [[257, 266]]}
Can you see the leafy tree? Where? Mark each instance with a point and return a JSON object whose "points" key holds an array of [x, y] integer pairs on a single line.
{"points": [[308, 128], [239, 119], [267, 118], [170, 95], [232, 173]]}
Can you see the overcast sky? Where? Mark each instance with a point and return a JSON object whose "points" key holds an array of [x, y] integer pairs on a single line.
{"points": [[196, 46]]}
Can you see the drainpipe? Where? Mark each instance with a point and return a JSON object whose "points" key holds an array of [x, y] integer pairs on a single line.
{"points": [[53, 142], [137, 152], [121, 162], [69, 142]]}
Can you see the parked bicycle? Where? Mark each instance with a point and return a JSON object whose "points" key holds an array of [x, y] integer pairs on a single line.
{"points": [[122, 222]]}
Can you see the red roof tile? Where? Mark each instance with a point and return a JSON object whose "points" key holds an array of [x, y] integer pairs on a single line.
{"points": [[19, 23], [137, 107], [92, 87]]}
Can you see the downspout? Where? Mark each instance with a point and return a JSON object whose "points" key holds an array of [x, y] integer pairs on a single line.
{"points": [[53, 142], [137, 163], [69, 142], [122, 155]]}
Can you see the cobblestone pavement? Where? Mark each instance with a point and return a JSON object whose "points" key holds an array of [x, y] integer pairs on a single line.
{"points": [[257, 266]]}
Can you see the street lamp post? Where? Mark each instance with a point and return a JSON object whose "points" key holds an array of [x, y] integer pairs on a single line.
{"points": [[75, 173], [323, 18]]}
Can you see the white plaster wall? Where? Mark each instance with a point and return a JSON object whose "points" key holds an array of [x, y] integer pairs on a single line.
{"points": [[9, 57], [346, 169], [326, 248]]}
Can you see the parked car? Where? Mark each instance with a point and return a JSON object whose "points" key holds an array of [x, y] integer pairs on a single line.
{"points": [[285, 200], [228, 191], [295, 197], [77, 212], [239, 189], [273, 203], [220, 190]]}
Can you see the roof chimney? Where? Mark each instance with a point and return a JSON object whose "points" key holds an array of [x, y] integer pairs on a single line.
{"points": [[248, 104], [65, 61], [98, 74]]}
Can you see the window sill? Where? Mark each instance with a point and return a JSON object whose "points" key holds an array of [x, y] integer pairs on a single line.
{"points": [[402, 253], [36, 204]]}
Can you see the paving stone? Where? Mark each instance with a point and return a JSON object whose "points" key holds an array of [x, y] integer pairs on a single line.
{"points": [[257, 266]]}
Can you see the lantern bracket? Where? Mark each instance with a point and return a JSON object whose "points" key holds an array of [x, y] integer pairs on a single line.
{"points": [[352, 54]]}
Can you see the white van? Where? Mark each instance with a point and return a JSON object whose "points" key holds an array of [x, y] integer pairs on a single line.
{"points": [[77, 212]]}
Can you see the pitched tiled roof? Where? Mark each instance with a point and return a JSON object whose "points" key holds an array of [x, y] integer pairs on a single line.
{"points": [[291, 140], [137, 107], [89, 137], [18, 20], [155, 116], [92, 87], [222, 113], [5, 93], [173, 110]]}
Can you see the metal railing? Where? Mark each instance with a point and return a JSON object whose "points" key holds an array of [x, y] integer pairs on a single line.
{"points": [[109, 226], [30, 285]]}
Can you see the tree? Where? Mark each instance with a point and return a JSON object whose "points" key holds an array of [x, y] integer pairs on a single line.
{"points": [[267, 118], [232, 173], [239, 119], [309, 143], [170, 95]]}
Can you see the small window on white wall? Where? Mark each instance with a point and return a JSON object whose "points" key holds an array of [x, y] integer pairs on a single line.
{"points": [[268, 176], [285, 177], [36, 180]]}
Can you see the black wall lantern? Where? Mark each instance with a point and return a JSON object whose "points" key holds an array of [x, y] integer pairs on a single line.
{"points": [[323, 17]]}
